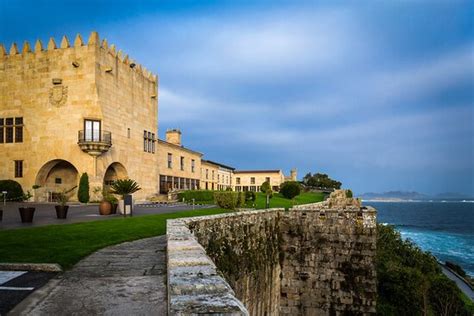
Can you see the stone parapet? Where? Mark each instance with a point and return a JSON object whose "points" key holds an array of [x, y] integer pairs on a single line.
{"points": [[194, 285], [316, 259]]}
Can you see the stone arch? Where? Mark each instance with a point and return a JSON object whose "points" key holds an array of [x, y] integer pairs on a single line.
{"points": [[56, 176], [114, 171]]}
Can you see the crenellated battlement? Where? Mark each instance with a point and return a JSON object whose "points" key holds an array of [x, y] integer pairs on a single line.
{"points": [[93, 40]]}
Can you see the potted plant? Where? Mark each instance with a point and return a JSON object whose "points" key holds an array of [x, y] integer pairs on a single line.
{"points": [[124, 187], [113, 201], [26, 213], [61, 208], [105, 207]]}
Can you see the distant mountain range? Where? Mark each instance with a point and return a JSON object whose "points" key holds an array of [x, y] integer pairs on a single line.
{"points": [[407, 195]]}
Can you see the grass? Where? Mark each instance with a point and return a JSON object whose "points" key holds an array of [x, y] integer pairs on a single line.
{"points": [[279, 201], [67, 244]]}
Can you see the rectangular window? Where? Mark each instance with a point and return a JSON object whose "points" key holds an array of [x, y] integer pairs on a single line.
{"points": [[150, 142], [58, 180], [18, 129], [237, 180], [207, 173], [145, 141], [9, 130], [212, 174], [192, 165], [163, 187], [18, 168], [181, 162], [252, 180], [218, 177], [153, 143], [92, 130], [2, 128], [170, 160]]}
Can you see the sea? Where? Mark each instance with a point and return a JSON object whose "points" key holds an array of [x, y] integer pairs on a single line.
{"points": [[445, 228]]}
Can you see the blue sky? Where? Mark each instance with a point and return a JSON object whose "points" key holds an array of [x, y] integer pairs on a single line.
{"points": [[378, 94]]}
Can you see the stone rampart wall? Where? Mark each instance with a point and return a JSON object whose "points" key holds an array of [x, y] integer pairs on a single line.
{"points": [[310, 260]]}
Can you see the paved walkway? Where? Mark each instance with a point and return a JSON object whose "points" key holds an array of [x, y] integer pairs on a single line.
{"points": [[126, 279], [45, 213]]}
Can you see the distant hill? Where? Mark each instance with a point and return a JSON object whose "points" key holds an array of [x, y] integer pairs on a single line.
{"points": [[412, 195], [394, 195]]}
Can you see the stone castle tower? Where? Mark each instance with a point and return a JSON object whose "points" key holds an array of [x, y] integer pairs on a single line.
{"points": [[74, 108]]}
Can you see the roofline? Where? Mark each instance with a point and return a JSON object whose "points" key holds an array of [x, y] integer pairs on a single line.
{"points": [[180, 147], [218, 164], [258, 171]]}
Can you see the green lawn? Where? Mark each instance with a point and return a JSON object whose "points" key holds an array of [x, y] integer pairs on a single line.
{"points": [[67, 244], [279, 201]]}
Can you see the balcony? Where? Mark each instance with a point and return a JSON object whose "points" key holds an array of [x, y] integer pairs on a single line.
{"points": [[94, 143]]}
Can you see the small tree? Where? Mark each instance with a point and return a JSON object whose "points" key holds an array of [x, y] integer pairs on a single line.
{"points": [[290, 189], [83, 191], [265, 187]]}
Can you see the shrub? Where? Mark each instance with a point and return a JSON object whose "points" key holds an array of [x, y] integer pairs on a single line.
{"points": [[200, 196], [290, 189], [250, 196], [14, 189], [229, 200], [83, 192], [409, 280], [349, 194]]}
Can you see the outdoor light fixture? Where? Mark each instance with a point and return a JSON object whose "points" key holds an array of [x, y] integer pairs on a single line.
{"points": [[132, 65], [108, 69], [153, 96], [75, 64]]}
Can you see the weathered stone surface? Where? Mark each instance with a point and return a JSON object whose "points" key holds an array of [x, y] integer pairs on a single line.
{"points": [[315, 259]]}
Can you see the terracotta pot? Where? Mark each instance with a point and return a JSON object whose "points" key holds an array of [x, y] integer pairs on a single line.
{"points": [[26, 214], [114, 208], [105, 208], [61, 211]]}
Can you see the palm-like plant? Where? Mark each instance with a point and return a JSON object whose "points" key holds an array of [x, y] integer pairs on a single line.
{"points": [[124, 187]]}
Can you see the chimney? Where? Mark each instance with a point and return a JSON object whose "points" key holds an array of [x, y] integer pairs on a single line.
{"points": [[173, 136]]}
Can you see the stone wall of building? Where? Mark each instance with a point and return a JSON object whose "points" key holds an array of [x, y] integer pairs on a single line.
{"points": [[54, 88], [314, 259]]}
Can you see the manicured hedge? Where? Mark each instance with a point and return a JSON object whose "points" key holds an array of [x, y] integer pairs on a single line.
{"points": [[83, 192], [290, 189], [199, 196], [14, 189], [229, 200]]}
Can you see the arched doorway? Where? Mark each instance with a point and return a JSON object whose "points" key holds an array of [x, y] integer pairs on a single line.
{"points": [[114, 172], [56, 176]]}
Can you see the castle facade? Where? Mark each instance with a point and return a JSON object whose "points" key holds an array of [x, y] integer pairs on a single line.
{"points": [[84, 107]]}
